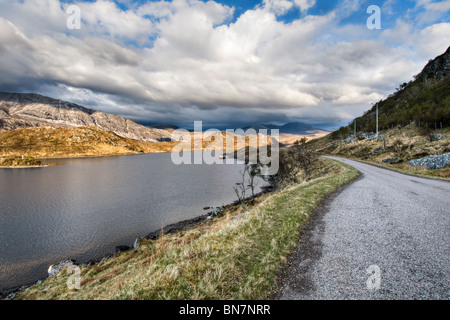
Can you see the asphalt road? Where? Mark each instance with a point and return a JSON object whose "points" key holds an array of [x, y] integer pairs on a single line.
{"points": [[395, 225]]}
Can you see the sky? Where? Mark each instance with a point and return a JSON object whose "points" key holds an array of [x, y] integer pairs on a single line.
{"points": [[228, 63]]}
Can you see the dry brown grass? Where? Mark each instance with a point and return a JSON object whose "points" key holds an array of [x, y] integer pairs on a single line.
{"points": [[49, 142], [442, 174], [290, 139], [405, 143], [233, 256]]}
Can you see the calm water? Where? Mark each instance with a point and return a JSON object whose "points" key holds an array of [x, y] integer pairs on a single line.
{"points": [[83, 208]]}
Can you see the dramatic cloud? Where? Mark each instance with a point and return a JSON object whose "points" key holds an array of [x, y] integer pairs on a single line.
{"points": [[184, 60]]}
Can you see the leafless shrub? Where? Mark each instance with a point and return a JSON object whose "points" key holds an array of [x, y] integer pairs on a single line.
{"points": [[398, 146], [298, 159]]}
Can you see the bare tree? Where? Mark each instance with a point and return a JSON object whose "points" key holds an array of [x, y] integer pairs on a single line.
{"points": [[249, 182], [253, 171], [241, 188], [398, 147], [305, 157], [299, 158]]}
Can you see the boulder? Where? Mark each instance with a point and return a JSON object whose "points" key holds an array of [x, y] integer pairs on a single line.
{"points": [[378, 150], [122, 249], [350, 139], [215, 212], [137, 243], [390, 160], [54, 269], [432, 162]]}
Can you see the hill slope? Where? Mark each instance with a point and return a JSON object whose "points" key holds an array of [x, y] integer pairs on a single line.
{"points": [[293, 131], [298, 128], [424, 101], [49, 142], [23, 110], [410, 122]]}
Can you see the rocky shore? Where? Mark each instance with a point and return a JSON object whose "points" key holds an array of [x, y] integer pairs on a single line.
{"points": [[23, 162], [169, 229]]}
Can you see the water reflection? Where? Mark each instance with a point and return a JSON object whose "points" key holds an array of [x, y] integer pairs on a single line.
{"points": [[82, 208]]}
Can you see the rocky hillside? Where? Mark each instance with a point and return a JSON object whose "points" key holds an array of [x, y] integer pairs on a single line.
{"points": [[50, 142], [23, 110], [436, 69], [414, 123], [424, 101]]}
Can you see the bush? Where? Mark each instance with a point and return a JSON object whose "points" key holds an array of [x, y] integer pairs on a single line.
{"points": [[292, 162], [17, 162], [398, 146]]}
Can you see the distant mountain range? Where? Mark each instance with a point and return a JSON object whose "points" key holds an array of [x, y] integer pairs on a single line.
{"points": [[167, 126], [297, 128], [293, 131], [23, 110], [292, 127], [26, 110]]}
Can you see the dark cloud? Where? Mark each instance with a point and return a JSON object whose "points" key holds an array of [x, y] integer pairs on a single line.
{"points": [[180, 61]]}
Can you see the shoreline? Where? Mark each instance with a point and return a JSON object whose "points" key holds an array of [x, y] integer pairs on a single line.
{"points": [[96, 156], [99, 156], [54, 159], [238, 246], [180, 226], [24, 167]]}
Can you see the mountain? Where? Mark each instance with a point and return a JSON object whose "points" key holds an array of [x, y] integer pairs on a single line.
{"points": [[436, 69], [424, 101], [297, 128], [51, 142], [293, 131], [167, 127], [414, 122], [23, 110]]}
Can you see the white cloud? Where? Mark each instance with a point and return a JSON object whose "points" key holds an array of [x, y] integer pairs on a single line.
{"points": [[433, 40], [442, 6], [304, 5], [192, 62], [104, 17], [429, 11], [278, 7]]}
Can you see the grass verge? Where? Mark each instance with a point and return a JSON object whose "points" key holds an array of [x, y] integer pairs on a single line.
{"points": [[441, 174], [233, 256]]}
